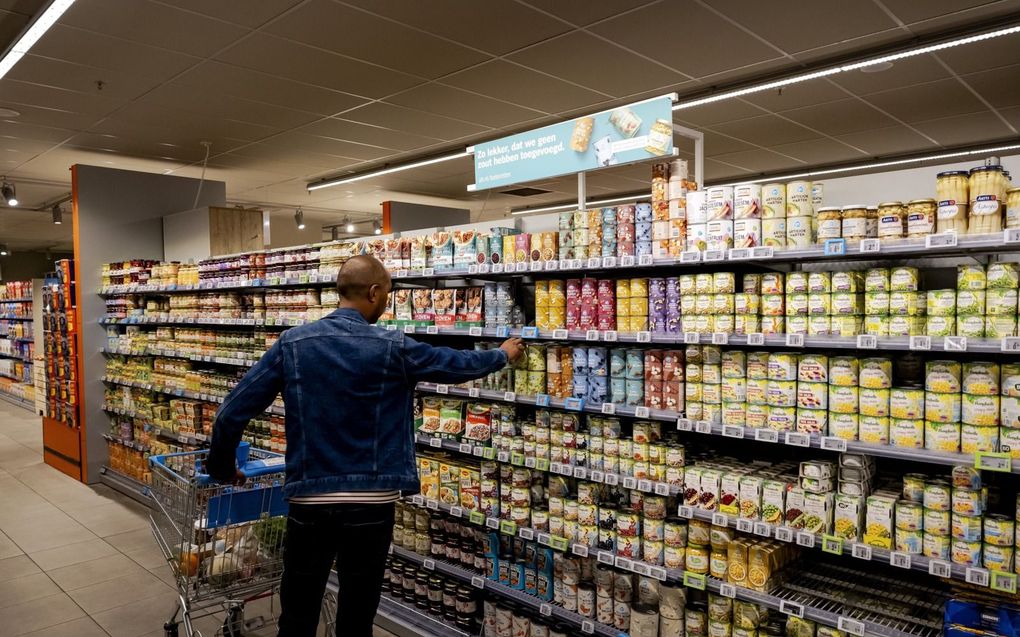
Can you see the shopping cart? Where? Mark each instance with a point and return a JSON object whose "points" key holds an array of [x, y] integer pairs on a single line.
{"points": [[223, 542]]}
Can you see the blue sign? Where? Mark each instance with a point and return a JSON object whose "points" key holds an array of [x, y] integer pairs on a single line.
{"points": [[623, 135]]}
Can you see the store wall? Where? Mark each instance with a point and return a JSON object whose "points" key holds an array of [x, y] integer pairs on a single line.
{"points": [[413, 216], [21, 266], [186, 236], [284, 232], [118, 215]]}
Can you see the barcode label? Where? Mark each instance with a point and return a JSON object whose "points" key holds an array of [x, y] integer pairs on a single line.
{"points": [[641, 412], [728, 590], [478, 581], [791, 608], [861, 551], [850, 626]]}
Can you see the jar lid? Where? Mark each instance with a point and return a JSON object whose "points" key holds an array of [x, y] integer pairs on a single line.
{"points": [[827, 209], [978, 169], [856, 206], [952, 173], [891, 203], [913, 201]]}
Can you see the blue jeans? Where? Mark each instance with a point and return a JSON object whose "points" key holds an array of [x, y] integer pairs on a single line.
{"points": [[358, 537]]}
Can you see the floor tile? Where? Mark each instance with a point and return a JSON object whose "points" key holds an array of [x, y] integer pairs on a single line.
{"points": [[81, 627], [11, 567], [7, 547], [48, 536], [26, 588], [38, 614], [119, 591], [95, 571], [142, 617], [76, 553], [109, 519]]}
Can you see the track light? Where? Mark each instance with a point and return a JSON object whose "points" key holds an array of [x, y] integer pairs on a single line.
{"points": [[299, 219], [334, 233], [9, 194], [45, 20], [376, 227], [329, 183], [58, 215], [4, 251], [349, 225]]}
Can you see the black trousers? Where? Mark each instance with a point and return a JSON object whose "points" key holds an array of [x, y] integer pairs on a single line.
{"points": [[357, 536]]}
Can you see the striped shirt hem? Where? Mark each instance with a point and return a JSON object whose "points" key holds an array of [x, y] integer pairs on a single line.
{"points": [[348, 497]]}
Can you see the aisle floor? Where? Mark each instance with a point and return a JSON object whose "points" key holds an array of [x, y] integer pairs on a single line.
{"points": [[78, 561]]}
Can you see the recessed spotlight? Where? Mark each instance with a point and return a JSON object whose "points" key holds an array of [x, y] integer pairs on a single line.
{"points": [[877, 68], [349, 225], [8, 193], [9, 112], [299, 219], [4, 251], [376, 227]]}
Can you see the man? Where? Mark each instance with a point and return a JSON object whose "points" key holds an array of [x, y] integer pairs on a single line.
{"points": [[347, 387]]}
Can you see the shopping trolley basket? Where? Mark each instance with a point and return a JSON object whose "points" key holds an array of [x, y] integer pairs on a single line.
{"points": [[223, 542]]}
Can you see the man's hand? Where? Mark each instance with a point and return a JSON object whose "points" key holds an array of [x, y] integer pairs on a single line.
{"points": [[514, 348]]}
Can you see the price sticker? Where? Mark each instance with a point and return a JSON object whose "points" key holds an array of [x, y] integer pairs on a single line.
{"points": [[576, 264], [457, 512], [728, 590], [720, 519], [478, 581], [763, 529], [401, 274], [899, 559], [833, 443], [560, 334], [640, 568], [476, 517], [431, 329], [474, 331], [703, 427], [641, 412], [608, 262], [409, 329], [587, 626], [1004, 582], [517, 458], [861, 551], [867, 341], [622, 563], [709, 256], [520, 267], [1010, 344], [685, 512], [629, 482], [542, 400], [442, 389], [489, 453], [591, 335], [644, 337], [492, 523], [739, 254], [510, 397], [594, 262], [798, 439], [661, 488], [834, 247], [690, 256], [941, 240], [791, 608], [832, 544], [497, 268], [627, 261], [417, 500], [795, 340], [745, 525], [850, 626], [920, 343], [955, 343], [473, 268], [428, 564], [605, 557], [940, 568], [657, 572], [502, 331], [551, 266], [503, 456], [529, 462], [805, 539], [990, 461], [580, 473], [542, 464], [508, 527], [580, 549], [473, 392], [694, 580], [645, 260], [977, 576], [526, 533], [608, 408], [784, 534], [692, 338], [432, 504], [609, 336], [684, 424], [529, 332], [465, 448], [733, 431], [766, 435], [612, 479], [720, 338], [645, 485], [545, 610]]}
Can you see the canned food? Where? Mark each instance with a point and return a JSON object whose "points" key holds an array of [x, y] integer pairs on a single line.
{"points": [[909, 515], [938, 495], [965, 527], [965, 552], [935, 547], [998, 558], [942, 436], [1000, 530], [844, 371], [909, 541], [874, 430], [913, 486], [942, 407], [937, 522], [675, 557], [843, 399], [967, 502], [844, 426], [906, 433], [978, 438]]}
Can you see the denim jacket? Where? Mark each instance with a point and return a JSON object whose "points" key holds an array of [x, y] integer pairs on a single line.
{"points": [[347, 388]]}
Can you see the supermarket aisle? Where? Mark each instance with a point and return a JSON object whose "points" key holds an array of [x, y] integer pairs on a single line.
{"points": [[75, 561]]}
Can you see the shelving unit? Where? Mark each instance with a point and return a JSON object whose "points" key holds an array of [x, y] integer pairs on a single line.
{"points": [[17, 345], [62, 443]]}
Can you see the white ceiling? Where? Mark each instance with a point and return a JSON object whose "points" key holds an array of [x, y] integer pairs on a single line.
{"points": [[289, 91]]}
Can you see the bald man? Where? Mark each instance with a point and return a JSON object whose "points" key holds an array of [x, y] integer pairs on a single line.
{"points": [[347, 386]]}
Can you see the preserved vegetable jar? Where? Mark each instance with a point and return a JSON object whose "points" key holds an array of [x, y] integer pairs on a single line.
{"points": [[987, 191]]}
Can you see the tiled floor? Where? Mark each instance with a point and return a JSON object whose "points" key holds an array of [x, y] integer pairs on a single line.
{"points": [[77, 561]]}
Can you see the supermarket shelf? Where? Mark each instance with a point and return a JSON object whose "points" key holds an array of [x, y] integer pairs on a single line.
{"points": [[936, 246], [510, 594], [404, 620], [26, 300], [178, 393], [170, 353], [18, 401], [126, 485], [794, 439], [156, 322], [8, 317], [17, 378], [14, 357]]}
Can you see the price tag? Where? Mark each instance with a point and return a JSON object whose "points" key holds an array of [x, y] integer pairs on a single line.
{"points": [[832, 544], [576, 264], [612, 479], [520, 267], [508, 527], [941, 240], [629, 482], [529, 462], [542, 400], [689, 256], [609, 336], [605, 557], [428, 564], [955, 343], [791, 608], [641, 412], [644, 337], [713, 255], [442, 389], [432, 504], [529, 332], [401, 274], [417, 500], [685, 512], [476, 517], [645, 260], [657, 572], [503, 456], [474, 331], [587, 626], [526, 533], [560, 334], [594, 262], [861, 551], [436, 442], [645, 485], [591, 335], [703, 427], [597, 476], [517, 458], [489, 453], [497, 268], [552, 265], [920, 343], [850, 626], [744, 525], [478, 581], [795, 340], [661, 488], [784, 534], [692, 338], [797, 439], [720, 519], [694, 580], [409, 329], [608, 408], [977, 576], [502, 331], [899, 559], [684, 424], [766, 435], [940, 568], [1004, 582], [867, 341], [763, 529], [580, 549], [805, 539], [465, 448], [720, 338], [580, 473], [733, 431], [728, 590], [492, 523], [608, 262], [640, 568], [739, 254], [834, 247], [555, 467], [431, 329], [622, 563], [473, 268], [833, 443], [542, 464], [545, 610], [457, 512], [473, 392], [510, 397], [627, 261], [993, 461]]}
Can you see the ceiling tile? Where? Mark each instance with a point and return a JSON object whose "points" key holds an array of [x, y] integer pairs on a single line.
{"points": [[584, 12], [844, 116], [716, 113], [708, 45], [243, 12], [718, 171], [412, 121], [260, 157], [716, 144], [95, 106], [795, 26], [173, 121], [469, 107], [915, 70], [373, 39], [819, 151], [213, 77], [759, 160], [495, 27], [228, 107], [11, 129], [369, 135], [1012, 115], [765, 130], [796, 96], [927, 101], [888, 141], [998, 86], [11, 25], [335, 147], [289, 59], [910, 11], [935, 15], [153, 24], [852, 47], [518, 85], [151, 129], [998, 52], [69, 76], [606, 68], [966, 129], [139, 148]]}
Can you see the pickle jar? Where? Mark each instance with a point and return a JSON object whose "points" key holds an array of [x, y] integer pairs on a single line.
{"points": [[830, 220], [987, 192], [892, 218], [855, 222], [1013, 208], [920, 217], [952, 185]]}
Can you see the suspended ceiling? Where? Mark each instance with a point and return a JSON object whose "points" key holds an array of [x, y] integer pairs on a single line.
{"points": [[289, 91]]}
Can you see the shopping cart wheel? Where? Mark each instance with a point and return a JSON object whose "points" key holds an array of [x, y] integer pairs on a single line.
{"points": [[170, 628], [233, 623]]}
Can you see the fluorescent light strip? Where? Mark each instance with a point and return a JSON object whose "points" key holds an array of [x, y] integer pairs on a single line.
{"points": [[881, 164], [385, 171], [42, 24], [568, 206], [846, 67]]}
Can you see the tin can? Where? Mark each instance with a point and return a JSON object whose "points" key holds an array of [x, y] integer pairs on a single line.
{"points": [[909, 541], [935, 547], [675, 532], [913, 486], [798, 199], [909, 515], [675, 557], [998, 558], [965, 552], [799, 232], [938, 495], [937, 522], [628, 523], [967, 502], [967, 528], [1000, 530]]}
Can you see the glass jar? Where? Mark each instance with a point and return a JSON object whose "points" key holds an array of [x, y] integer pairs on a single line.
{"points": [[1013, 208], [920, 217], [855, 222], [952, 185], [830, 220], [872, 218], [987, 192]]}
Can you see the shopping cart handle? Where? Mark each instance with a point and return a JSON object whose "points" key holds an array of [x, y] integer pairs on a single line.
{"points": [[251, 469]]}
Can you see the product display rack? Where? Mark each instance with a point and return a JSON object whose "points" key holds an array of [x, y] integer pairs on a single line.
{"points": [[17, 344]]}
